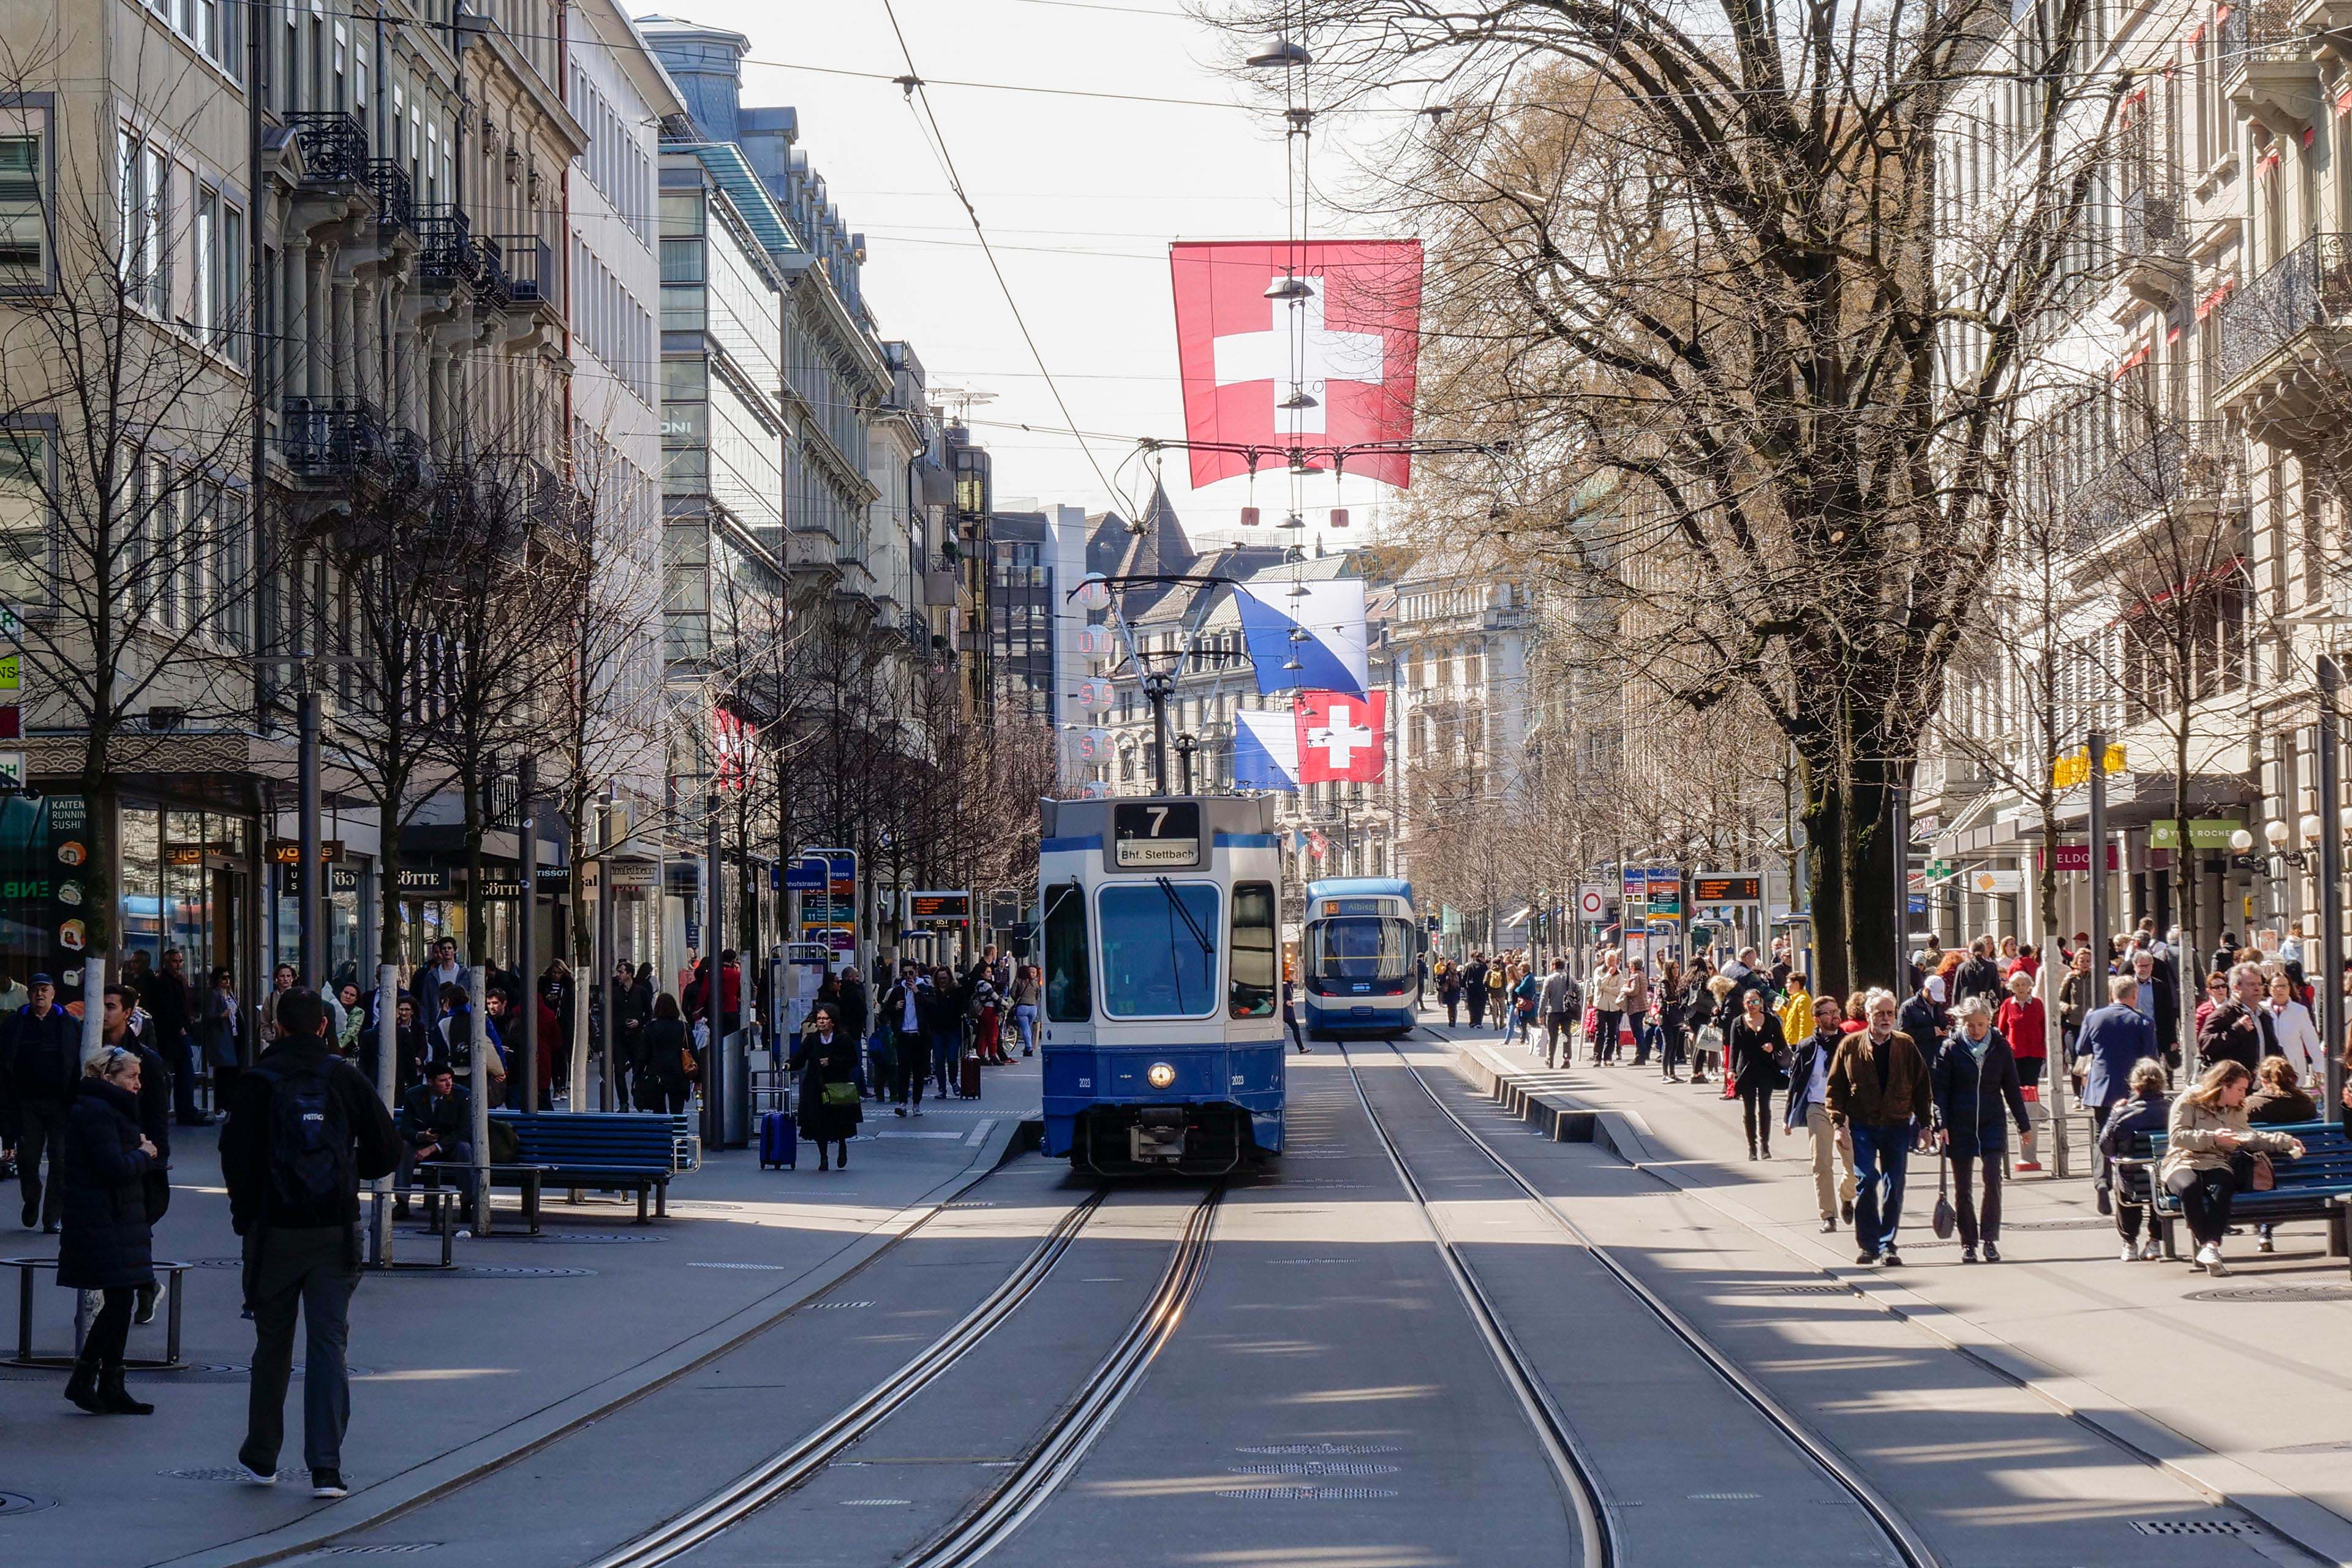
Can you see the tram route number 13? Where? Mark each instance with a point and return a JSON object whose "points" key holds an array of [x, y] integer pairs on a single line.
{"points": [[1155, 835]]}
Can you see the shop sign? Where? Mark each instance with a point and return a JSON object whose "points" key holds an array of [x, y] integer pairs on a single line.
{"points": [[2204, 832], [424, 881], [12, 770], [12, 722], [342, 879], [288, 851], [2076, 857], [629, 873], [1986, 879], [12, 668], [183, 854], [44, 904]]}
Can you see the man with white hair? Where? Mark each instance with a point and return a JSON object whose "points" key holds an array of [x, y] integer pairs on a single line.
{"points": [[1878, 1087], [2241, 1029]]}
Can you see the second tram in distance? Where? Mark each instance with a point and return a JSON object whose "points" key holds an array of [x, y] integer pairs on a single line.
{"points": [[1162, 1024], [1358, 958]]}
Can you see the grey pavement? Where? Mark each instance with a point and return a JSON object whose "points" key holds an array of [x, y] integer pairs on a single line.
{"points": [[2235, 1388], [459, 1373]]}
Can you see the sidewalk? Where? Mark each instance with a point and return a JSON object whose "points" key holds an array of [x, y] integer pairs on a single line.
{"points": [[455, 1372], [2240, 1386]]}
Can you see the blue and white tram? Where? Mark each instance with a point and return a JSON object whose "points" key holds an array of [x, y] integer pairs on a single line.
{"points": [[1358, 957], [1163, 988]]}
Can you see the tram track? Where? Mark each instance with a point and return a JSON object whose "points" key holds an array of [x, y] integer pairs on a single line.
{"points": [[790, 1466], [1903, 1541]]}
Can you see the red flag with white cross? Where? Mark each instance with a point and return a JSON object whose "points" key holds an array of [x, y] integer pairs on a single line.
{"points": [[1331, 364], [1341, 737]]}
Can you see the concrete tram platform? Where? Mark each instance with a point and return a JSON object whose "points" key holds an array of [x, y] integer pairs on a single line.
{"points": [[456, 1374], [2239, 1387]]}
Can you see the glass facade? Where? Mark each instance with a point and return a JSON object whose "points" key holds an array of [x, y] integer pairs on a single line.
{"points": [[178, 889]]}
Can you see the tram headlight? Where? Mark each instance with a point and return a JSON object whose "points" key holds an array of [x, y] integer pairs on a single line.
{"points": [[1159, 1075]]}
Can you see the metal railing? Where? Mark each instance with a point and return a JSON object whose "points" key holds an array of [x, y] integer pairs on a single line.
{"points": [[530, 268], [445, 250], [2152, 220], [492, 286], [2179, 463], [333, 437], [395, 200], [2309, 287], [335, 144], [2263, 30]]}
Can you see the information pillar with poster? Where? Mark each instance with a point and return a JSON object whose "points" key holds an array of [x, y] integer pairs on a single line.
{"points": [[829, 914]]}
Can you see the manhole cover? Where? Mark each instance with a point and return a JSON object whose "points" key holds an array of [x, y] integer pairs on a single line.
{"points": [[493, 1271], [878, 1502], [235, 1371], [764, 1268], [1303, 1260], [704, 1205], [1305, 1494], [19, 1502], [835, 1306], [1725, 1497], [1323, 1182], [1317, 1467], [2059, 1225], [2333, 1447], [2195, 1527], [1322, 1448], [228, 1473], [2274, 1293], [581, 1238], [970, 1205], [216, 1262], [1811, 1290], [381, 1549]]}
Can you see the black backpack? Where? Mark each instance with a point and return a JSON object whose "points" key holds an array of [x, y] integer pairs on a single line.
{"points": [[313, 1176]]}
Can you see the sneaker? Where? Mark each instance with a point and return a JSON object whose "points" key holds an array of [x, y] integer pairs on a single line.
{"points": [[899, 1111], [1829, 1225], [2262, 1245], [1992, 1253], [1890, 1258], [150, 1297], [31, 1216], [1968, 1255], [2150, 1251], [2208, 1255], [1865, 1256], [2131, 1252], [328, 1484], [919, 1111], [253, 1475], [2216, 1268]]}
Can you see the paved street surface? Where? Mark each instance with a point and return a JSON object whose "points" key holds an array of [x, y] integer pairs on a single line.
{"points": [[1430, 1336]]}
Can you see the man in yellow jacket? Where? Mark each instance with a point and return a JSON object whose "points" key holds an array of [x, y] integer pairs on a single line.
{"points": [[1797, 1011]]}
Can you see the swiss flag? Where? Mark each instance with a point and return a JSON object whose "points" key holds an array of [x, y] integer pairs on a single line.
{"points": [[1350, 344], [1340, 738]]}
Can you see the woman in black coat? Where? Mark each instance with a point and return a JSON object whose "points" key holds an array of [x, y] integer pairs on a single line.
{"points": [[662, 1082], [105, 1244], [1976, 1092], [827, 1056], [1752, 1049]]}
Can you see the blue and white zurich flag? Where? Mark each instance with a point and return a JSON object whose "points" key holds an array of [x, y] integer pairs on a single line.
{"points": [[1331, 657], [1265, 750]]}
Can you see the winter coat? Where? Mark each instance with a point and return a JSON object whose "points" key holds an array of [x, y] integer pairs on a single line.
{"points": [[245, 1139], [2234, 1032], [1814, 1048], [2129, 1119], [2115, 1038], [661, 1054], [1969, 1096], [1921, 1019], [2193, 1128], [2268, 1107], [1608, 990], [820, 1062], [1977, 977], [105, 1241], [1853, 1088], [1751, 1052], [2025, 1025], [2078, 994], [45, 1056], [2298, 1040], [155, 1121], [426, 1118]]}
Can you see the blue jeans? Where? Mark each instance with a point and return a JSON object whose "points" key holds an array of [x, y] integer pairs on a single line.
{"points": [[1881, 1153], [1024, 1019]]}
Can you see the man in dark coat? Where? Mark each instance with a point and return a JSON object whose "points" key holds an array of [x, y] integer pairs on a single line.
{"points": [[436, 1123], [297, 1206], [170, 1003], [2241, 1029], [2114, 1037], [44, 1068]]}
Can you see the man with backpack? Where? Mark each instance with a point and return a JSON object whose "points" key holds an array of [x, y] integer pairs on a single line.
{"points": [[304, 1129]]}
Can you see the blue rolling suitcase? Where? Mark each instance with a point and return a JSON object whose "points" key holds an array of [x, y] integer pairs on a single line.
{"points": [[779, 1141]]}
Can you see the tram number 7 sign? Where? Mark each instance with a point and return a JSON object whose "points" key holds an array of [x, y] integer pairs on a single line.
{"points": [[1155, 835]]}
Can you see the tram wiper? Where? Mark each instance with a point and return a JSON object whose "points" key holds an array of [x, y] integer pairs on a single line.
{"points": [[1168, 889]]}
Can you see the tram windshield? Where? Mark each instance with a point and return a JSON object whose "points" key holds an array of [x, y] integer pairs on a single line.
{"points": [[1360, 947], [1159, 953]]}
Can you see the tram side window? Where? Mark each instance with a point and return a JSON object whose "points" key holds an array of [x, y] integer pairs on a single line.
{"points": [[1070, 988], [1255, 973]]}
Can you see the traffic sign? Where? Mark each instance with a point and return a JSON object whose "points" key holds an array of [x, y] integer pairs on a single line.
{"points": [[1592, 900]]}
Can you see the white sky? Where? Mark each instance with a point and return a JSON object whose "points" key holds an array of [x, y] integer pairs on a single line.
{"points": [[1080, 196]]}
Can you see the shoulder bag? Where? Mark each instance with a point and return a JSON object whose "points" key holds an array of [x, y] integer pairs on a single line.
{"points": [[1946, 1220]]}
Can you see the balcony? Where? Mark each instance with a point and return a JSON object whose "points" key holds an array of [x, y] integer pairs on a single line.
{"points": [[530, 268], [493, 288], [334, 146], [395, 201], [2155, 254], [447, 257], [2282, 345], [2269, 68], [333, 438], [2177, 481]]}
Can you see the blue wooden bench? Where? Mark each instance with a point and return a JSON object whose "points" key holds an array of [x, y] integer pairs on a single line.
{"points": [[609, 1151], [2318, 1186]]}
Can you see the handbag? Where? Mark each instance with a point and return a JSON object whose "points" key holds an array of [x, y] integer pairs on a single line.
{"points": [[2264, 1177], [1945, 1221], [842, 1091]]}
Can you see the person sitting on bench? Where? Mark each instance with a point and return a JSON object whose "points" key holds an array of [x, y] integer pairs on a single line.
{"points": [[436, 1122], [2209, 1154]]}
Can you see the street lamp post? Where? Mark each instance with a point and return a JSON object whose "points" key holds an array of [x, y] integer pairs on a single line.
{"points": [[2331, 887]]}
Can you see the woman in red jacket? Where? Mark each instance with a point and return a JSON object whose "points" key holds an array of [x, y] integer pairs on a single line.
{"points": [[2024, 1024]]}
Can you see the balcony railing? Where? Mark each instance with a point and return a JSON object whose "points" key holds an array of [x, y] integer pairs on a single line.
{"points": [[446, 254], [395, 201], [333, 437], [492, 287], [530, 268], [2309, 287], [2180, 464], [334, 145], [2264, 29], [2152, 221]]}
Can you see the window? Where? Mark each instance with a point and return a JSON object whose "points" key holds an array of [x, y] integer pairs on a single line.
{"points": [[1250, 991], [23, 217], [1159, 949], [24, 513], [1070, 988], [204, 295]]}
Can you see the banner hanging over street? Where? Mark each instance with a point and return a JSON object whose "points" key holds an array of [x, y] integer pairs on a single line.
{"points": [[1341, 738], [1319, 628], [1343, 353]]}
